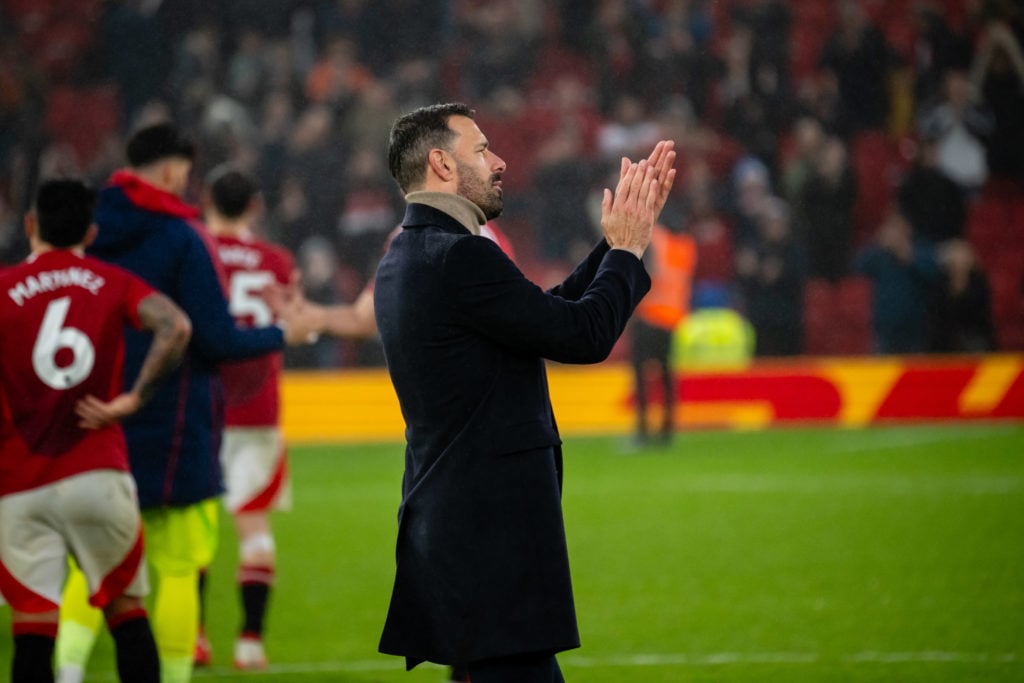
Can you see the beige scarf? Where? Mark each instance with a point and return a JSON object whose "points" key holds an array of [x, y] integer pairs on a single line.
{"points": [[468, 214]]}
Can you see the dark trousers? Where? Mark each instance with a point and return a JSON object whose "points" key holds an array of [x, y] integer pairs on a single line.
{"points": [[652, 346], [531, 668]]}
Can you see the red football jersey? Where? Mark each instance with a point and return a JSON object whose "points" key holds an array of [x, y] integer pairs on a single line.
{"points": [[62, 318], [251, 386]]}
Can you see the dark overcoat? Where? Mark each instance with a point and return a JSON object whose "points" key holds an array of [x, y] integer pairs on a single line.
{"points": [[482, 566]]}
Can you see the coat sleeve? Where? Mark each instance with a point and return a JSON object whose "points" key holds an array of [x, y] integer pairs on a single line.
{"points": [[576, 284], [214, 333], [492, 297]]}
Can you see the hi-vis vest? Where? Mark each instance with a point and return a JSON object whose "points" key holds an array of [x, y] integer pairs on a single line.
{"points": [[674, 257], [718, 338]]}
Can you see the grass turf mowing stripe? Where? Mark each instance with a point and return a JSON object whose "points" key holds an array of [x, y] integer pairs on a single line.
{"points": [[797, 555], [571, 661]]}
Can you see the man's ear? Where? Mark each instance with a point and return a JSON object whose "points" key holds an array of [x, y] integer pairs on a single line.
{"points": [[31, 225], [165, 173], [439, 163], [256, 207], [90, 235]]}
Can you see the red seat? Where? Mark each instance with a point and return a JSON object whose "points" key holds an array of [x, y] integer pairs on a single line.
{"points": [[1007, 298], [1010, 335], [855, 298], [986, 220], [878, 166], [837, 317], [1015, 226], [813, 24], [555, 62], [83, 118], [855, 305], [955, 12], [1005, 271], [901, 37], [817, 302]]}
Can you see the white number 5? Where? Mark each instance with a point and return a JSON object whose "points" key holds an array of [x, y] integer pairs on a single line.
{"points": [[245, 297], [53, 337]]}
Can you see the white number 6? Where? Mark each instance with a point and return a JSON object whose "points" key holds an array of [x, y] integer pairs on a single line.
{"points": [[53, 337]]}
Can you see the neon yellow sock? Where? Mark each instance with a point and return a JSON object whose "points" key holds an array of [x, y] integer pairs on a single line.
{"points": [[176, 670], [175, 621], [80, 623]]}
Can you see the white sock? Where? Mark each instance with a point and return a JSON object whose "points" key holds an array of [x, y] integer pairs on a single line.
{"points": [[70, 673]]}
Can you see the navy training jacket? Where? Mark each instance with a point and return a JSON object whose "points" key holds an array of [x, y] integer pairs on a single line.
{"points": [[174, 440]]}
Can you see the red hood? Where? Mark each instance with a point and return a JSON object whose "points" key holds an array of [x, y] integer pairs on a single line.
{"points": [[149, 197]]}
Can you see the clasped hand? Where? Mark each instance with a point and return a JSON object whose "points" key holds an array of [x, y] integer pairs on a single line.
{"points": [[301, 320], [628, 215]]}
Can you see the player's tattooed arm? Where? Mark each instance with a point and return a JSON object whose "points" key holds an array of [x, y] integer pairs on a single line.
{"points": [[171, 330]]}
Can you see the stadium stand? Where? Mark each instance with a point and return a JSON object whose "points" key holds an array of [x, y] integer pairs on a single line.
{"points": [[235, 72], [83, 117]]}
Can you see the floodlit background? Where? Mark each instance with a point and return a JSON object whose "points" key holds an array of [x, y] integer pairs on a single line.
{"points": [[847, 119]]}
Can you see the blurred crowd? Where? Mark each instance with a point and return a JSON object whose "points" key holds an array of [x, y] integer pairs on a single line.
{"points": [[841, 160]]}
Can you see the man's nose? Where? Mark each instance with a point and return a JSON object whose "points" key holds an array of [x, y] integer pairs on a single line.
{"points": [[498, 164]]}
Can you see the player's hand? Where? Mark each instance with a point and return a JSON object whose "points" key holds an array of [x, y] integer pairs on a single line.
{"points": [[662, 159], [96, 414], [278, 297], [301, 322], [628, 215]]}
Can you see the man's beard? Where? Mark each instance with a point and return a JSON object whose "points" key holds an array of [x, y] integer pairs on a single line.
{"points": [[484, 194]]}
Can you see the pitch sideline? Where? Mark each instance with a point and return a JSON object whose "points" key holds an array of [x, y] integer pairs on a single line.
{"points": [[647, 660]]}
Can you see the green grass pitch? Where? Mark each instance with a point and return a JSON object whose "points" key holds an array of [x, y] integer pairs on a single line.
{"points": [[883, 554]]}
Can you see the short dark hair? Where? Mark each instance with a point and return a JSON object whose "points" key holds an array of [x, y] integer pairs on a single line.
{"points": [[414, 134], [231, 190], [63, 209], [159, 141]]}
